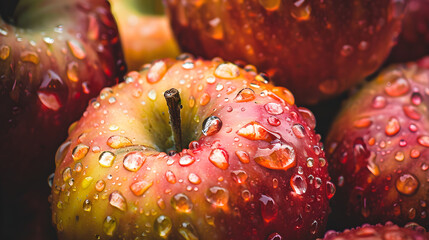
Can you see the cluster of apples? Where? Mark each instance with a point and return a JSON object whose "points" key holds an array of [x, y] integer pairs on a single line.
{"points": [[212, 144]]}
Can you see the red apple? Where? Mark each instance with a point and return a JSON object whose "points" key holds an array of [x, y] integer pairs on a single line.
{"points": [[315, 48], [254, 168], [378, 150], [145, 32], [54, 57], [389, 231]]}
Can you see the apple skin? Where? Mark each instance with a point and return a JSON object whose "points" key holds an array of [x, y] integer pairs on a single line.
{"points": [[377, 150], [145, 31], [413, 42], [278, 188], [411, 231], [52, 62], [317, 49]]}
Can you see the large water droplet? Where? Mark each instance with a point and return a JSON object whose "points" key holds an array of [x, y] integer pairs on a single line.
{"points": [[245, 95], [392, 127], [423, 140], [269, 208], [187, 231], [411, 112], [156, 71], [397, 87], [239, 176], [219, 158], [4, 52], [171, 178], [227, 71], [270, 5], [181, 203], [194, 178], [186, 160], [61, 152], [117, 141], [278, 156], [106, 159], [301, 10], [79, 152], [29, 56], [211, 125], [52, 91], [109, 225], [217, 196], [76, 49], [273, 108], [243, 156], [407, 184], [140, 187], [117, 200], [72, 72], [298, 184], [255, 131], [330, 189], [133, 161], [163, 226]]}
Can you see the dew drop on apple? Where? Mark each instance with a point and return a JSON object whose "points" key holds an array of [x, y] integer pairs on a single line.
{"points": [[239, 176], [379, 102], [301, 10], [298, 130], [298, 184], [407, 184], [140, 187], [30, 57], [87, 205], [106, 159], [346, 50], [330, 189], [72, 72], [163, 226], [423, 140], [117, 141], [187, 231], [109, 225], [186, 160], [188, 64], [204, 99], [308, 117], [117, 200], [278, 156], [393, 126], [171, 178], [270, 5], [152, 95], [76, 49], [181, 203], [52, 91], [273, 121], [255, 131], [227, 71], [411, 112], [245, 95], [397, 87], [100, 185], [273, 108], [4, 52], [217, 196], [269, 208], [219, 158], [51, 179], [156, 71], [211, 125], [79, 152], [242, 156], [246, 195], [61, 152], [194, 178], [133, 161], [416, 98], [66, 174]]}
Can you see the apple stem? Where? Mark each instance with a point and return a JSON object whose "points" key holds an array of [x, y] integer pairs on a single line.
{"points": [[172, 97]]}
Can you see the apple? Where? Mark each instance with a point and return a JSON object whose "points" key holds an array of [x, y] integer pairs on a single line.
{"points": [[388, 231], [145, 31], [192, 149], [378, 150], [413, 42], [54, 57], [317, 49]]}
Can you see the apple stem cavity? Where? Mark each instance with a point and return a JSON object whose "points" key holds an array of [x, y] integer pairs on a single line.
{"points": [[172, 97]]}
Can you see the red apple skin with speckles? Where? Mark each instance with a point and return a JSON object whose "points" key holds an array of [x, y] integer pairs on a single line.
{"points": [[378, 150], [54, 57], [317, 49], [254, 167]]}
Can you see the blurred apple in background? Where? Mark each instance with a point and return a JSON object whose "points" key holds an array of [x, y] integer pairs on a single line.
{"points": [[145, 31]]}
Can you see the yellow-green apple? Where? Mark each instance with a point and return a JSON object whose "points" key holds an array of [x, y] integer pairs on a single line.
{"points": [[192, 149]]}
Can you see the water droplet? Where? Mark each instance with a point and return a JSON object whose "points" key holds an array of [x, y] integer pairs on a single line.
{"points": [[181, 203], [255, 131], [379, 102], [392, 127], [117, 141], [346, 50], [243, 156], [87, 205], [163, 226], [211, 125], [308, 117], [106, 159], [217, 196], [423, 140], [245, 95], [204, 99], [227, 71], [76, 49], [270, 5], [330, 189], [278, 156], [188, 64], [99, 185], [52, 91], [29, 56], [301, 10], [414, 153], [269, 208], [298, 130], [186, 160], [399, 156], [66, 174], [310, 162], [411, 112], [171, 178], [239, 176], [133, 161], [116, 199], [72, 72], [407, 184], [298, 184], [397, 87], [363, 45], [219, 158], [109, 225], [274, 108], [79, 152], [363, 122], [416, 98], [156, 71], [273, 121], [61, 152], [140, 187], [152, 95], [4, 52]]}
